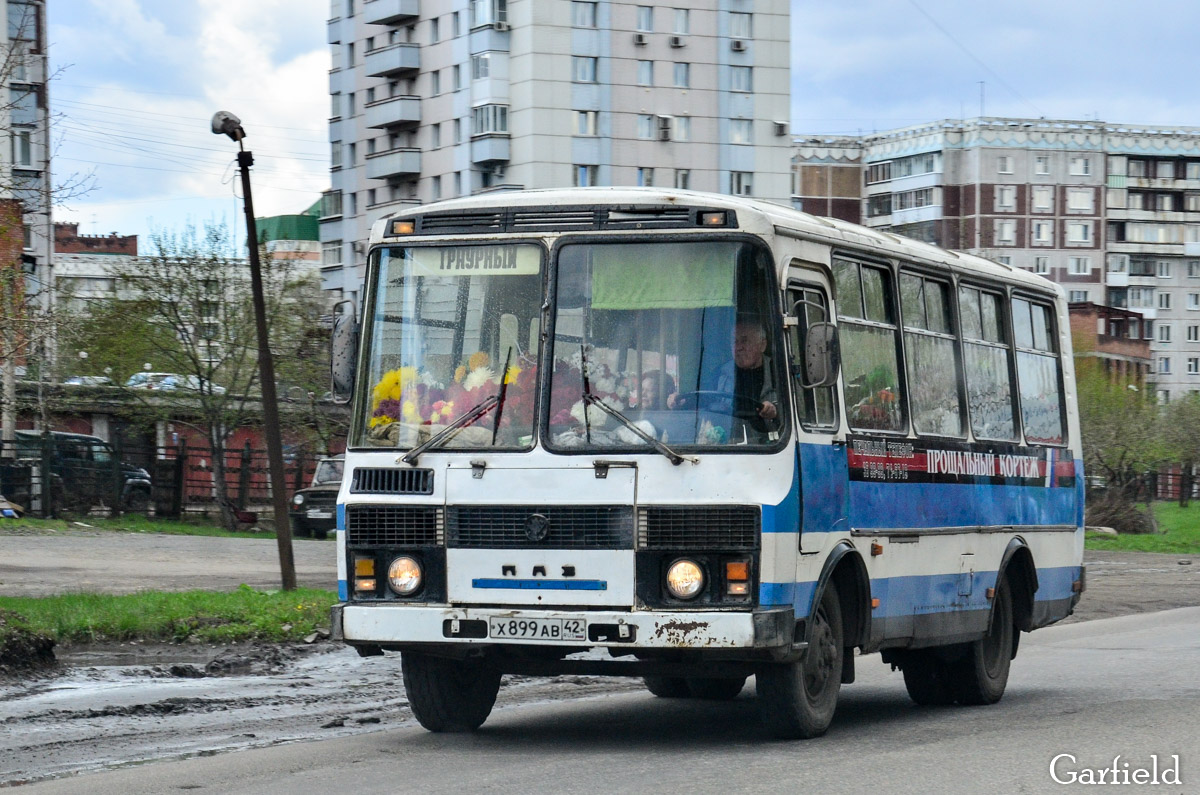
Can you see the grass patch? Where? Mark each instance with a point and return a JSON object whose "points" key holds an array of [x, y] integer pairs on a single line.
{"points": [[1179, 532], [133, 523], [205, 616]]}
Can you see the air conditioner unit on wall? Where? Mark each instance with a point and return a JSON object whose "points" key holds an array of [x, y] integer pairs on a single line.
{"points": [[737, 45], [639, 39], [664, 127], [781, 128], [678, 41], [499, 26]]}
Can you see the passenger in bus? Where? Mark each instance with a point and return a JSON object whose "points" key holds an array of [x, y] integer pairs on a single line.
{"points": [[655, 391]]}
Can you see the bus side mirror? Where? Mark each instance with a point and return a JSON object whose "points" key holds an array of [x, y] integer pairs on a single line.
{"points": [[343, 357], [821, 356]]}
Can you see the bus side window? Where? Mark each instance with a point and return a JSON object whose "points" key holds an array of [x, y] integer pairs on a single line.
{"points": [[985, 357], [867, 333], [818, 407], [1037, 373], [931, 351]]}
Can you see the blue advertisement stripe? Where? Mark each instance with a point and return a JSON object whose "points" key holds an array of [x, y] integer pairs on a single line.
{"points": [[784, 517], [541, 585], [917, 595]]}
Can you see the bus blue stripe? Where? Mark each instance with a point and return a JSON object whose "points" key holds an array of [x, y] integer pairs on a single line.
{"points": [[541, 585], [343, 591], [916, 595]]}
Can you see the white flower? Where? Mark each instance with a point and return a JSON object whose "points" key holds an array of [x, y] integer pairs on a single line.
{"points": [[478, 377]]}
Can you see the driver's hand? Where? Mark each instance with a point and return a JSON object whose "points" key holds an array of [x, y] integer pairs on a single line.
{"points": [[767, 410]]}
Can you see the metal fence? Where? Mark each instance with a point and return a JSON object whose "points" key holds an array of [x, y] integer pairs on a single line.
{"points": [[54, 475]]}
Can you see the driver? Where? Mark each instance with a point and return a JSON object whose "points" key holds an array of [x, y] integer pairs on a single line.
{"points": [[748, 377]]}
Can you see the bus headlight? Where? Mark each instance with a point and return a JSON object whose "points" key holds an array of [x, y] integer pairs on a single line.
{"points": [[405, 576], [685, 579]]}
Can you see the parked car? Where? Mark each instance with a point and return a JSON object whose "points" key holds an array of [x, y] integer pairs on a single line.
{"points": [[87, 380], [313, 511], [167, 382], [81, 471]]}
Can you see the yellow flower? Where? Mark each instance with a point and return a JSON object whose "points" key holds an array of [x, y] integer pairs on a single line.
{"points": [[512, 374], [409, 412], [477, 360], [459, 374]]}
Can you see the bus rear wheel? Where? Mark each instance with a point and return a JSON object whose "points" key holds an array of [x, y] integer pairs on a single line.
{"points": [[449, 695], [797, 700], [927, 679], [982, 674]]}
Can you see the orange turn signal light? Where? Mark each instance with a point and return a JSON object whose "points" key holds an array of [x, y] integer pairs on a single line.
{"points": [[403, 227], [875, 602], [737, 570], [364, 567], [713, 219]]}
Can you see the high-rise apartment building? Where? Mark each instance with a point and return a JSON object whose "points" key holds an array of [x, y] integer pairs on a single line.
{"points": [[1111, 212], [437, 100], [25, 225]]}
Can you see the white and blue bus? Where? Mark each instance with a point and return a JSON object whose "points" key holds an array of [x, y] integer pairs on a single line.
{"points": [[699, 438]]}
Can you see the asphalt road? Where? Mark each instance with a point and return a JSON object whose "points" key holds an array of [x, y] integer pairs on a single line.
{"points": [[1120, 686]]}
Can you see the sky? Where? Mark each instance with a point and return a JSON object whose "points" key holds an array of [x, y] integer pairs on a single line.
{"points": [[139, 80]]}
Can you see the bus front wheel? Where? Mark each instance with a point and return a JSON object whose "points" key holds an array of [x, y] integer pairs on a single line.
{"points": [[982, 674], [449, 695], [667, 686], [797, 700]]}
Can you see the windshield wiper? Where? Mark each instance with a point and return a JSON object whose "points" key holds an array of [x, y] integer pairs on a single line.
{"points": [[675, 458], [466, 418]]}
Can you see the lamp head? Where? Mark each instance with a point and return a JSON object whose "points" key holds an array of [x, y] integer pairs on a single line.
{"points": [[224, 122]]}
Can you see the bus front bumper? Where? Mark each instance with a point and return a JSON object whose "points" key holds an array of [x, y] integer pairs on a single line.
{"points": [[412, 626]]}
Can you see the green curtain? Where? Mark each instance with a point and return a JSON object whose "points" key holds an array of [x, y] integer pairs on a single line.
{"points": [[663, 276]]}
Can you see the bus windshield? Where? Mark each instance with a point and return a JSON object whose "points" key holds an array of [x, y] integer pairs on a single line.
{"points": [[675, 337], [451, 328]]}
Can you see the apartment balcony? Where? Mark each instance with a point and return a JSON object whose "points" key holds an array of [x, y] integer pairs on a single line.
{"points": [[394, 59], [394, 163], [390, 12], [394, 112], [490, 148]]}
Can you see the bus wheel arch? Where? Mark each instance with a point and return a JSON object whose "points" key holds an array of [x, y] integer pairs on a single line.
{"points": [[845, 569], [1018, 568]]}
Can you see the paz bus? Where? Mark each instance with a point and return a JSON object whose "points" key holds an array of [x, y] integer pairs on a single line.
{"points": [[703, 438]]}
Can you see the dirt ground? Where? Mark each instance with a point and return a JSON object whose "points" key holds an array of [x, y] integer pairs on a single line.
{"points": [[127, 703]]}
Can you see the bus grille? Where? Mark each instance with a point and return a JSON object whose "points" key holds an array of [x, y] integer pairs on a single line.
{"points": [[394, 525], [373, 480], [570, 527], [733, 527]]}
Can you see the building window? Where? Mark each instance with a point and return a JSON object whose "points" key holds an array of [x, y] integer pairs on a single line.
{"points": [[583, 15], [1077, 296], [1043, 198], [456, 23], [1041, 265], [742, 78], [435, 31], [682, 128], [1193, 365], [458, 81], [1004, 259], [435, 82], [741, 26], [1006, 233], [879, 172], [585, 122], [741, 131], [22, 148], [1164, 268], [681, 21], [741, 183], [335, 154], [489, 119], [1080, 232], [1081, 200], [583, 68], [1164, 365], [1081, 166], [645, 126], [683, 75], [1193, 333], [1006, 197], [1193, 301], [645, 18], [331, 204], [1041, 165], [458, 183], [1141, 298], [1164, 332], [436, 189], [331, 253], [645, 178], [1165, 169], [1193, 269], [335, 105], [435, 136], [645, 73], [585, 176], [1079, 266], [1043, 233], [1004, 164], [683, 178], [488, 12], [1164, 300], [481, 65]]}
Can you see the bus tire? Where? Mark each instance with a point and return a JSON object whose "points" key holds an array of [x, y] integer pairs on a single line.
{"points": [[797, 700], [927, 678], [667, 686], [982, 674], [449, 695], [718, 689]]}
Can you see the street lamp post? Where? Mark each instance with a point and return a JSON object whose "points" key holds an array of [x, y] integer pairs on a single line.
{"points": [[225, 123]]}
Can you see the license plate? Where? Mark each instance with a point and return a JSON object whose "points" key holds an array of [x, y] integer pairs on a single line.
{"points": [[313, 513], [551, 629]]}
